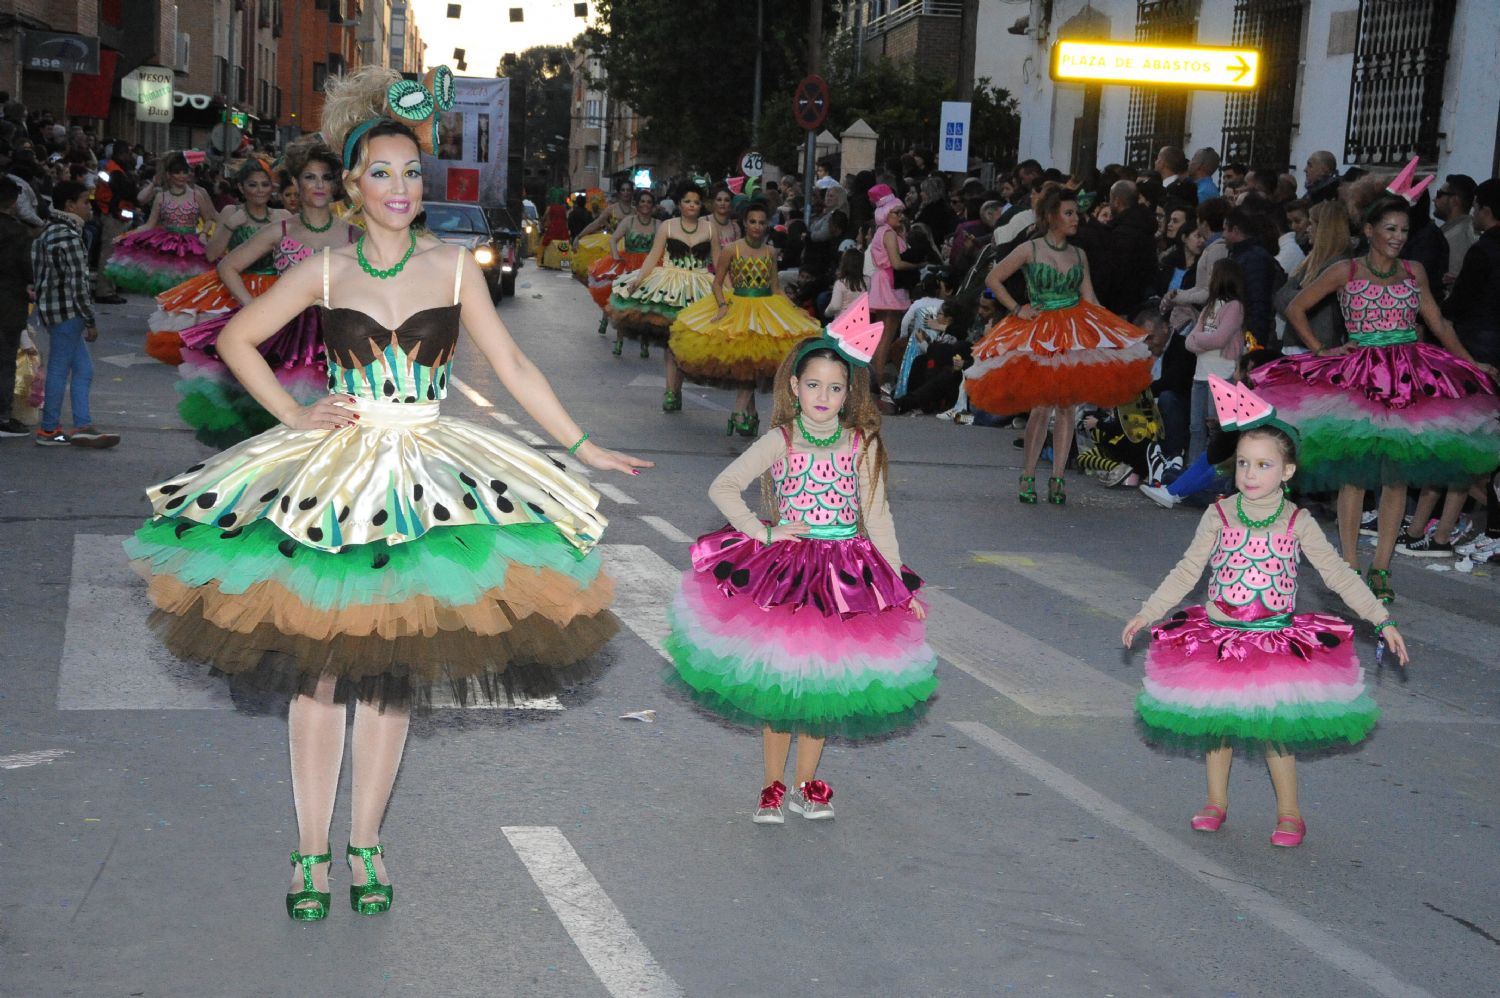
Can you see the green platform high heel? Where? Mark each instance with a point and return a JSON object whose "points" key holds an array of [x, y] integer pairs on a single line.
{"points": [[645, 349], [1055, 494], [1027, 494], [750, 426], [360, 895], [604, 324], [1379, 581], [671, 401], [308, 905], [618, 348]]}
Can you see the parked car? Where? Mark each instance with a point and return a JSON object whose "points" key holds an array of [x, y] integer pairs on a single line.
{"points": [[511, 238], [469, 226]]}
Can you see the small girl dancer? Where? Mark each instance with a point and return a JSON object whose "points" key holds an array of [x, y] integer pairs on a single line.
{"points": [[807, 625], [1245, 669]]}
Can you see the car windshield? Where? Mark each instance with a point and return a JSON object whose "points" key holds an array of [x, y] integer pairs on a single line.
{"points": [[457, 218]]}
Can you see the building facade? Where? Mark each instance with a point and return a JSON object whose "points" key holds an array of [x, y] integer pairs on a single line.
{"points": [[375, 33], [939, 36], [1373, 81], [321, 39], [227, 63], [408, 51], [604, 135]]}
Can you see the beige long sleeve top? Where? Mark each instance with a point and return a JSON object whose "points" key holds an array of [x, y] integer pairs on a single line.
{"points": [[1336, 573], [727, 490]]}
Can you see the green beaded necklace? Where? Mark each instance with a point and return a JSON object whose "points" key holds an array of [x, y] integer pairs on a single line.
{"points": [[1382, 274], [365, 265], [313, 228], [1239, 511], [829, 441], [260, 221]]}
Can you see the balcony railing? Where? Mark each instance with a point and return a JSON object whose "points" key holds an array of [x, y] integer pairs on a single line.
{"points": [[914, 8]]}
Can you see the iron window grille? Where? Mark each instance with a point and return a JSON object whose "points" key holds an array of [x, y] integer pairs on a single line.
{"points": [[1258, 123], [1396, 90], [1158, 115]]}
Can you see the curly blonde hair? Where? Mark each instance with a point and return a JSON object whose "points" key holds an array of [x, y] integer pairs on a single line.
{"points": [[351, 100], [859, 414]]}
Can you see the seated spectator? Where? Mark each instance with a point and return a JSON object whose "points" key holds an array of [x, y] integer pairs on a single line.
{"points": [[848, 284]]}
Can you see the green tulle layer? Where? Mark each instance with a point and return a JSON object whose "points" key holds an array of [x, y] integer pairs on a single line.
{"points": [[1337, 452], [872, 710], [1290, 727], [452, 565], [133, 277], [635, 309], [221, 414]]}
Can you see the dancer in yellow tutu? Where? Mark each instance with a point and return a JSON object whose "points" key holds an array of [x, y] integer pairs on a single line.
{"points": [[592, 244], [742, 341], [1059, 349]]}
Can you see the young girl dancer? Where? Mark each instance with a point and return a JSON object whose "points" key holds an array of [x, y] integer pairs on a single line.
{"points": [[807, 625], [1384, 410], [742, 341], [370, 548], [674, 276], [167, 250], [199, 297], [1057, 350], [628, 246], [1246, 670]]}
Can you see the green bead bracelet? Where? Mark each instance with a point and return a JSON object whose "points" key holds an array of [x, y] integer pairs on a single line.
{"points": [[1389, 622], [574, 448]]}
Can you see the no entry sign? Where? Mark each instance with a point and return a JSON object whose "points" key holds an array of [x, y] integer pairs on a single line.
{"points": [[810, 103]]}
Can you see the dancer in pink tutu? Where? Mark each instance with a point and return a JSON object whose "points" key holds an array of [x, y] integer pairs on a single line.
{"points": [[1385, 410], [807, 625], [1246, 670], [168, 249]]}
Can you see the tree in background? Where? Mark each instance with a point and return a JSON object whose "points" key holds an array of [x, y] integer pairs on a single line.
{"points": [[543, 79]]}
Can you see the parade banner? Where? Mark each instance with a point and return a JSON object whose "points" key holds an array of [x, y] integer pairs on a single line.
{"points": [[470, 161]]}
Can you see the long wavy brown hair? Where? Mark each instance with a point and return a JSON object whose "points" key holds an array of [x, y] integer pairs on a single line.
{"points": [[859, 413]]}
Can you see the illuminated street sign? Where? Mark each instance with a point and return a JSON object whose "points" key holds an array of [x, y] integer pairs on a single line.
{"points": [[1194, 66]]}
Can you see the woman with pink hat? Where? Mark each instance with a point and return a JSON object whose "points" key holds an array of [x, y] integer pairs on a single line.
{"points": [[888, 303]]}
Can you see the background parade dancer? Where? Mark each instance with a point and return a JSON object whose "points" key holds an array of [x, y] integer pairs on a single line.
{"points": [[193, 300], [807, 625], [675, 274], [1059, 349], [1245, 670], [220, 411], [628, 245], [369, 548], [168, 249], [593, 243], [741, 342], [1384, 410]]}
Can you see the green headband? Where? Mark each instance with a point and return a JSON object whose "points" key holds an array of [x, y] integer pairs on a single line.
{"points": [[826, 342], [412, 101]]}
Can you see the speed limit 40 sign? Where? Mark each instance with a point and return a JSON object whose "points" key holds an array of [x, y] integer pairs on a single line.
{"points": [[752, 164]]}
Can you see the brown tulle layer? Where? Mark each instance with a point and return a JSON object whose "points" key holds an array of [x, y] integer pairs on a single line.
{"points": [[534, 657], [528, 594]]}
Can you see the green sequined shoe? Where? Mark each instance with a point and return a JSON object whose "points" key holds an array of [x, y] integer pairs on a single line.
{"points": [[749, 426], [1055, 494], [671, 401], [618, 348], [371, 897], [308, 905], [604, 324], [1027, 494], [1379, 581], [645, 349]]}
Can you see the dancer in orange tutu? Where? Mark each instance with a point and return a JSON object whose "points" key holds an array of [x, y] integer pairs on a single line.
{"points": [[628, 246], [1058, 350]]}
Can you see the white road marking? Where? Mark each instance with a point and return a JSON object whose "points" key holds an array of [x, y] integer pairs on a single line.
{"points": [[531, 438], [1031, 672], [618, 957], [472, 395], [606, 489], [505, 418], [128, 359], [1227, 883], [668, 531], [645, 584], [23, 759]]}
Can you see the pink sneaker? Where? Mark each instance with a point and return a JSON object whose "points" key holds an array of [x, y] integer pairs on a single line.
{"points": [[1210, 818], [1288, 837]]}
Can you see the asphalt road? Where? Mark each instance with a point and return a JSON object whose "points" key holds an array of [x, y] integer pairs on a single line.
{"points": [[1022, 841]]}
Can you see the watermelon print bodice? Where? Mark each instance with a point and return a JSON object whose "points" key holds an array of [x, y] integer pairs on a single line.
{"points": [[822, 492], [179, 214], [638, 242], [1253, 573], [406, 365], [1048, 288], [1380, 314], [289, 252], [266, 264]]}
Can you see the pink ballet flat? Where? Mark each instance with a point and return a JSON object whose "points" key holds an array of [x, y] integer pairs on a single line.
{"points": [[1285, 837], [1210, 818]]}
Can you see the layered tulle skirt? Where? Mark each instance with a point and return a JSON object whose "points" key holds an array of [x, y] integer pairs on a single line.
{"points": [[189, 303], [151, 261], [746, 346], [1408, 413], [664, 292], [591, 249], [396, 559], [815, 636], [606, 270], [1064, 356], [1297, 688]]}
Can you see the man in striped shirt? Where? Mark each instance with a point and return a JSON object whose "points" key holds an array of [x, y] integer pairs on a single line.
{"points": [[60, 269]]}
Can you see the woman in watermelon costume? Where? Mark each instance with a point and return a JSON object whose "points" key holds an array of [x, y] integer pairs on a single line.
{"points": [[220, 411], [808, 624], [741, 342], [1057, 351], [1245, 670], [594, 240], [370, 548], [1384, 410], [199, 297], [628, 246], [675, 274], [167, 250]]}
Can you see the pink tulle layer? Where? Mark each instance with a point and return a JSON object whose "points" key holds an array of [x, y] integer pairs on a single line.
{"points": [[297, 344], [158, 246], [1417, 381], [304, 383]]}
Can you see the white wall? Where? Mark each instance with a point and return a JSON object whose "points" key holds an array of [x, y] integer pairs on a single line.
{"points": [[1322, 115], [998, 54]]}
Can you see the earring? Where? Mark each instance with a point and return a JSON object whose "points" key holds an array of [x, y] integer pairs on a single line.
{"points": [[797, 405]]}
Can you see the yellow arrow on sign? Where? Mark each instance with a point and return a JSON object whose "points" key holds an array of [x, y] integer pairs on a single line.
{"points": [[1198, 67]]}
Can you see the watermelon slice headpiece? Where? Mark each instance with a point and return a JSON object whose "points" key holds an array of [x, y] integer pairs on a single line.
{"points": [[854, 335], [1241, 409]]}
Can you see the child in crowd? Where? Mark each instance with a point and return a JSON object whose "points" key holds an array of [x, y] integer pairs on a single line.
{"points": [[849, 284], [1218, 338]]}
